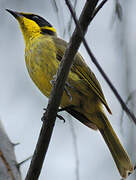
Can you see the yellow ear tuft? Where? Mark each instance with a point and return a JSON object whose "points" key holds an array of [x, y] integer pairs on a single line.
{"points": [[50, 28]]}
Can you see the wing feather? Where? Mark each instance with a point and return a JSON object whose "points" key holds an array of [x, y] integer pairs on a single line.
{"points": [[81, 69]]}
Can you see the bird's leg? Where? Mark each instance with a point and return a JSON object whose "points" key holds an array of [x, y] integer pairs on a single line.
{"points": [[60, 110], [67, 85], [61, 118], [58, 116], [53, 80], [66, 108]]}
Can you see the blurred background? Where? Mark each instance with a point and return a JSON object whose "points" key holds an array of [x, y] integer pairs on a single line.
{"points": [[75, 152]]}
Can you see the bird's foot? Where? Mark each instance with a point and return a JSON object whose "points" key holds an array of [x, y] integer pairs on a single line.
{"points": [[53, 80], [66, 108], [67, 85], [58, 116], [61, 118]]}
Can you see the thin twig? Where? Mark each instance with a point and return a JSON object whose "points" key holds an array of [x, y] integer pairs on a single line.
{"points": [[24, 161], [55, 6], [118, 10], [71, 123], [75, 148], [15, 144], [127, 101], [98, 8], [7, 165], [57, 91], [70, 21], [94, 60], [60, 17]]}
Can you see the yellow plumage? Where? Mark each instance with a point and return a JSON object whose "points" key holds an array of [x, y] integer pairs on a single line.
{"points": [[43, 53]]}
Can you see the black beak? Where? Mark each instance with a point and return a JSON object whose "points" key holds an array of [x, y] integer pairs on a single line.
{"points": [[14, 13]]}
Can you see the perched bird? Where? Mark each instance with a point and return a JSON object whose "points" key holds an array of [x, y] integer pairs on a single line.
{"points": [[83, 97]]}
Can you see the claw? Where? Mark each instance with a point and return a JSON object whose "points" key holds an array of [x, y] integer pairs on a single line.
{"points": [[61, 118], [67, 91], [65, 88], [58, 116], [53, 80], [66, 108]]}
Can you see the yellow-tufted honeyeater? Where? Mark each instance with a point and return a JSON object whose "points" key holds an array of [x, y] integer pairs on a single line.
{"points": [[83, 94]]}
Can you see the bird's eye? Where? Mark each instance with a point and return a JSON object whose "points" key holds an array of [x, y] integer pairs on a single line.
{"points": [[35, 17]]}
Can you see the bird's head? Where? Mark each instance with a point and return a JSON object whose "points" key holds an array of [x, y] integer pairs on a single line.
{"points": [[33, 25]]}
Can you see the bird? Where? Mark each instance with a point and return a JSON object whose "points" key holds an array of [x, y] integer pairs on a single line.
{"points": [[83, 97]]}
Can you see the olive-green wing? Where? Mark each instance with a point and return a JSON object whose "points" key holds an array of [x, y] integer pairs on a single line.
{"points": [[81, 69]]}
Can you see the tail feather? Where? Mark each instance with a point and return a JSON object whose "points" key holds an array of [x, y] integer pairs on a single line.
{"points": [[120, 157]]}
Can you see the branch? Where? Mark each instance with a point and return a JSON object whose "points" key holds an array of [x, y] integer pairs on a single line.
{"points": [[75, 148], [57, 91], [8, 163], [70, 20], [24, 161], [130, 97], [94, 60], [98, 8]]}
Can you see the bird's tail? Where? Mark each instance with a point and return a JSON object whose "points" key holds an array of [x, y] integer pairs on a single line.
{"points": [[120, 157]]}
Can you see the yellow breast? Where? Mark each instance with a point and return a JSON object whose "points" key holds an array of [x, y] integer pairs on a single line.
{"points": [[40, 57], [42, 65]]}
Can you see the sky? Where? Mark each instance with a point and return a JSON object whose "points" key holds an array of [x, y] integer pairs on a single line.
{"points": [[21, 103]]}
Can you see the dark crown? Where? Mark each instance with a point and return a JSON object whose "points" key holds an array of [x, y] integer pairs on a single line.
{"points": [[38, 19]]}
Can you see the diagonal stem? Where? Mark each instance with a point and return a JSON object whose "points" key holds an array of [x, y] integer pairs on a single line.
{"points": [[94, 60], [99, 8]]}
